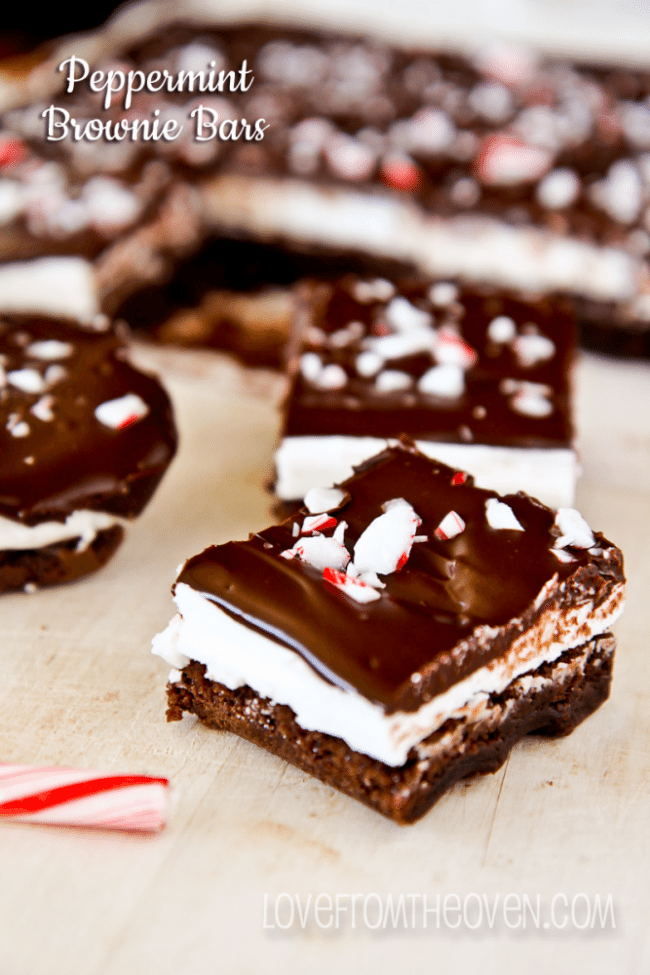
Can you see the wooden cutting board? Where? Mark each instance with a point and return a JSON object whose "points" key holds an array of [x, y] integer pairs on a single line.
{"points": [[226, 886]]}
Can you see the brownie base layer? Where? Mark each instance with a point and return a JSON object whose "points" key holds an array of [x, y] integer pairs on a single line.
{"points": [[56, 563], [549, 701]]}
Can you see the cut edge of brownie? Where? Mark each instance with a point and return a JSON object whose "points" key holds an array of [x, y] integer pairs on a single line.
{"points": [[57, 563], [550, 701]]}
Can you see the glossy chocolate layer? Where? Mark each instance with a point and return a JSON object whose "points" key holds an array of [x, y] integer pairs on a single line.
{"points": [[56, 456], [488, 411], [428, 609]]}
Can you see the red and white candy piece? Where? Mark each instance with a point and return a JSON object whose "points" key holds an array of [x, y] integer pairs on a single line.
{"points": [[386, 543], [398, 345], [401, 173], [121, 412], [371, 578], [563, 556], [504, 160], [320, 552], [459, 478], [531, 403], [451, 349], [320, 499], [501, 516], [12, 151], [450, 526], [576, 533], [317, 523], [42, 408], [352, 586], [78, 797]]}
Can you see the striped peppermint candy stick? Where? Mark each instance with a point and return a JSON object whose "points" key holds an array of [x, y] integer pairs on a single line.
{"points": [[79, 797]]}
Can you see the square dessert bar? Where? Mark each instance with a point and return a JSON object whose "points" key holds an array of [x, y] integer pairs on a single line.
{"points": [[85, 439], [401, 633], [478, 377]]}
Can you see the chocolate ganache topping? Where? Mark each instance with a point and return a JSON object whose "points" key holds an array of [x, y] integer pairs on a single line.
{"points": [[373, 358], [80, 427], [429, 625]]}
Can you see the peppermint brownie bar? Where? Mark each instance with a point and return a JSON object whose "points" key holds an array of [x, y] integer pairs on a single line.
{"points": [[86, 439], [478, 377], [403, 632]]}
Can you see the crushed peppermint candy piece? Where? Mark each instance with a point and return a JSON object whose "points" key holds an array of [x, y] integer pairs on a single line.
{"points": [[18, 428], [332, 376], [349, 158], [42, 408], [50, 349], [531, 404], [559, 189], [563, 556], [295, 529], [366, 292], [28, 380], [311, 366], [321, 499], [55, 374], [402, 315], [450, 526], [370, 578], [121, 412], [446, 380], [353, 587], [501, 330], [501, 516], [451, 349], [392, 381], [320, 552], [339, 532], [368, 364], [575, 531], [443, 293], [504, 160], [385, 545], [459, 478], [317, 523], [401, 173], [12, 151], [398, 345], [531, 349], [346, 336]]}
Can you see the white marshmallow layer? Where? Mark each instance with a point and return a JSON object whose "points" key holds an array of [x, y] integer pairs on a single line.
{"points": [[62, 286], [478, 248], [234, 655], [83, 525], [302, 463]]}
